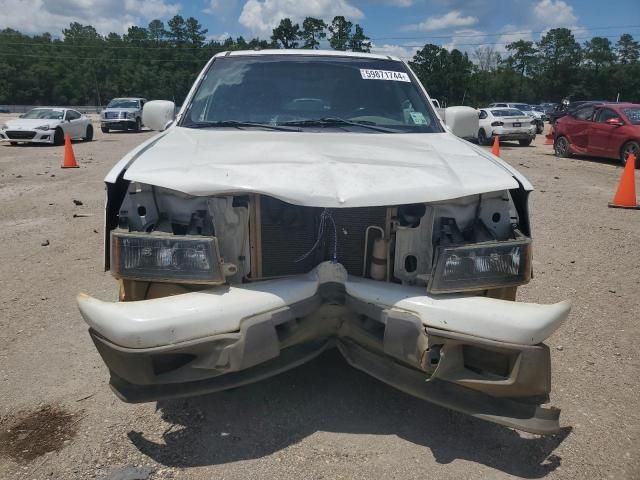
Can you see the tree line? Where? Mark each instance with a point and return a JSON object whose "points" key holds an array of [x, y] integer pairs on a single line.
{"points": [[162, 60]]}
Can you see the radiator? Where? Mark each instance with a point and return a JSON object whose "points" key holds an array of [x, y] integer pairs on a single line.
{"points": [[290, 231]]}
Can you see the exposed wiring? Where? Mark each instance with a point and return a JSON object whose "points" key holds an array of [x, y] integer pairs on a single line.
{"points": [[325, 217]]}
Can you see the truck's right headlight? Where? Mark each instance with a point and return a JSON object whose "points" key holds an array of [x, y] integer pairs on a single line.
{"points": [[481, 266], [166, 258]]}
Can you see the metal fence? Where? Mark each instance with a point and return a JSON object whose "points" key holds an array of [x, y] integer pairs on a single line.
{"points": [[26, 108]]}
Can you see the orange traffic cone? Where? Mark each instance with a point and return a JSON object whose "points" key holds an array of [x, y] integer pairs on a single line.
{"points": [[549, 137], [626, 194], [69, 160], [496, 146]]}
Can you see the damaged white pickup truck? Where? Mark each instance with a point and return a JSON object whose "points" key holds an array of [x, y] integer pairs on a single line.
{"points": [[306, 200]]}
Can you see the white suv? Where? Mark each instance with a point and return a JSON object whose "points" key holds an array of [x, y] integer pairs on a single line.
{"points": [[305, 200]]}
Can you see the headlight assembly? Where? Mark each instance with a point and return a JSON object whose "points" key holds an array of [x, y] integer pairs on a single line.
{"points": [[166, 258], [481, 266], [131, 115], [43, 127]]}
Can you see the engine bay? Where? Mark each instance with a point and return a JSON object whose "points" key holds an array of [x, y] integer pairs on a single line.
{"points": [[262, 237]]}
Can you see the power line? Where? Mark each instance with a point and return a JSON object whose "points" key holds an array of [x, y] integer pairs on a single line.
{"points": [[523, 32], [102, 59], [101, 38], [204, 51], [495, 43]]}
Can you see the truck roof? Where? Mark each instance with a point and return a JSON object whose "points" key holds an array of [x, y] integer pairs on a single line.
{"points": [[305, 52]]}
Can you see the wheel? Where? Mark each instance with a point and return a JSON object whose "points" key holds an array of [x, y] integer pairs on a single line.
{"points": [[482, 137], [89, 134], [14, 143], [138, 125], [630, 147], [104, 129], [58, 137], [561, 147], [539, 128], [525, 143]]}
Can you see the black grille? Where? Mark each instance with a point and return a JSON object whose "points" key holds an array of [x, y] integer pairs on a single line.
{"points": [[290, 231], [111, 115], [20, 135]]}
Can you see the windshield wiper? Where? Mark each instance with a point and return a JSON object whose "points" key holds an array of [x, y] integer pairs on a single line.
{"points": [[336, 122], [240, 124]]}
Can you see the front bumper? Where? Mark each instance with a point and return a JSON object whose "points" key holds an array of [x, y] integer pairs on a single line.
{"points": [[30, 136], [473, 354], [118, 124]]}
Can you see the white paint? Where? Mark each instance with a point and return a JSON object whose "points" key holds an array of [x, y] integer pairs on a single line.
{"points": [[334, 170], [178, 318]]}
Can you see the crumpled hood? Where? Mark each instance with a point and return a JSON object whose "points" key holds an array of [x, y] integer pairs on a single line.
{"points": [[31, 123], [326, 169]]}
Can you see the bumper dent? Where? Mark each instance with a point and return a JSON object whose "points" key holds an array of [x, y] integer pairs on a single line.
{"points": [[476, 355]]}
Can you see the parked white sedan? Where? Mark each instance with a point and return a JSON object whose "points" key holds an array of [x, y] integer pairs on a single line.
{"points": [[47, 125], [508, 123]]}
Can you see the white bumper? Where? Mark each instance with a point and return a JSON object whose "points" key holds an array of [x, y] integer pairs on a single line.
{"points": [[220, 310], [34, 136]]}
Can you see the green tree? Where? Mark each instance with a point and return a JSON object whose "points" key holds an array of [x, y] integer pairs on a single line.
{"points": [[522, 58], [136, 35], [598, 53], [340, 30], [286, 34], [313, 30], [157, 33], [177, 32], [78, 33], [195, 34], [628, 49], [559, 57], [359, 42]]}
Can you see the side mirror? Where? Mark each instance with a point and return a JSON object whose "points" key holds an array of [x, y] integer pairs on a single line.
{"points": [[158, 114], [614, 122], [462, 121]]}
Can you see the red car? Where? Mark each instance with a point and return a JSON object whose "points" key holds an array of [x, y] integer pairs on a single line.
{"points": [[609, 130]]}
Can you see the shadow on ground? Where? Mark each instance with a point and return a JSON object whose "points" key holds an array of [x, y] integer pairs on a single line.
{"points": [[328, 395]]}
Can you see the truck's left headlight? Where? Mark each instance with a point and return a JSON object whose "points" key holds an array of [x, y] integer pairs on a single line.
{"points": [[166, 258], [481, 266]]}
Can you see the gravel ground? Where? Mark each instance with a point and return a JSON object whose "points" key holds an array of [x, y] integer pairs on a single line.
{"points": [[58, 418]]}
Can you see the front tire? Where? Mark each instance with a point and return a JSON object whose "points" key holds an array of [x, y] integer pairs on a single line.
{"points": [[13, 143], [138, 126], [525, 143], [58, 137], [561, 147], [104, 129], [627, 148], [89, 134]]}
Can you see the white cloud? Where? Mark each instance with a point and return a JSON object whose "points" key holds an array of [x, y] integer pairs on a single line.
{"points": [[399, 3], [219, 37], [38, 16], [220, 8], [454, 18], [260, 17], [467, 40], [554, 13], [401, 51]]}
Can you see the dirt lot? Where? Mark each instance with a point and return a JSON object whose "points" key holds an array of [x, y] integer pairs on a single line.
{"points": [[58, 418]]}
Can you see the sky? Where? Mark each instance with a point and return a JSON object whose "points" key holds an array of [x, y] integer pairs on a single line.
{"points": [[396, 27]]}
